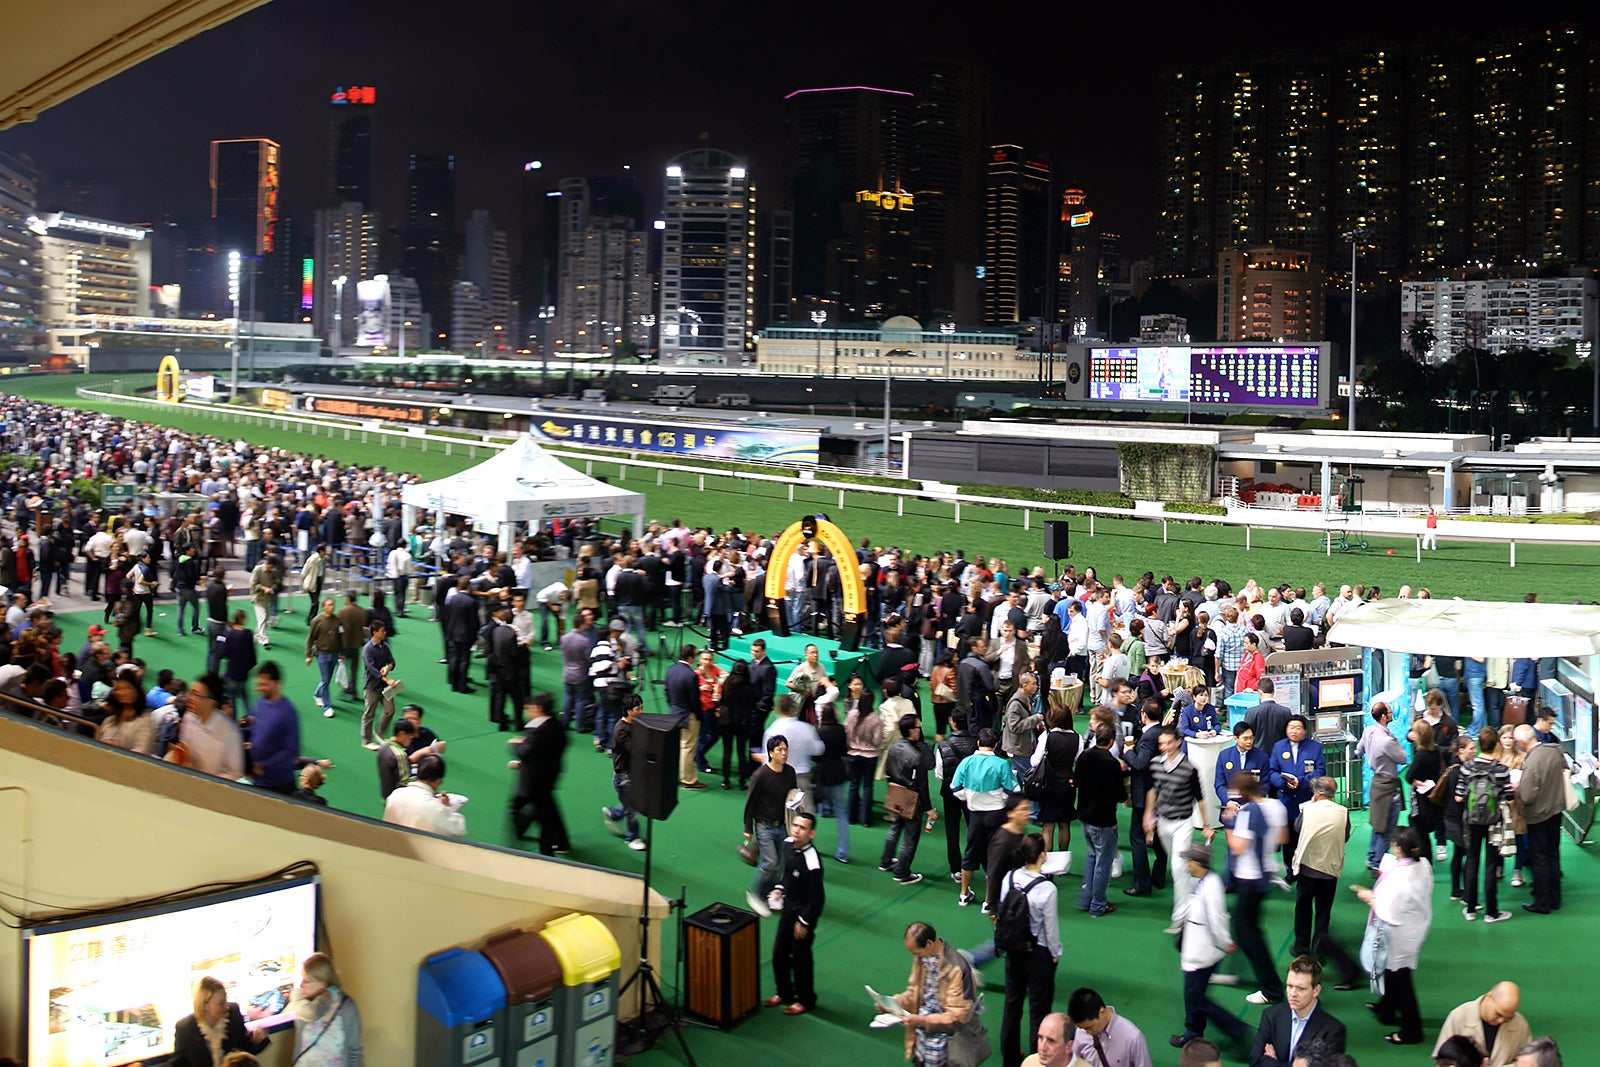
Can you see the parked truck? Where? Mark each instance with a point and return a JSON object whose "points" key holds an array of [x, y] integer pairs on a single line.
{"points": [[673, 394]]}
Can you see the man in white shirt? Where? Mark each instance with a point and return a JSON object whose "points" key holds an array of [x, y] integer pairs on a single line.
{"points": [[1206, 939], [420, 806], [1098, 614], [552, 602]]}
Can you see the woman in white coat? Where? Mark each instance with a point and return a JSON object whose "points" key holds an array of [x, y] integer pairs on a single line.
{"points": [[1402, 909]]}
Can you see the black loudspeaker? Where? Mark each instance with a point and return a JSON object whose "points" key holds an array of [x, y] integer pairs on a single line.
{"points": [[1055, 539], [653, 772]]}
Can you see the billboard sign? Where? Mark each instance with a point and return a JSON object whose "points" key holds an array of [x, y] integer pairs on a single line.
{"points": [[355, 94], [1254, 376], [367, 409], [372, 312], [706, 440]]}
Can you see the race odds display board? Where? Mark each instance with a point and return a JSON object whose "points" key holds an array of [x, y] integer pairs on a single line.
{"points": [[1242, 376]]}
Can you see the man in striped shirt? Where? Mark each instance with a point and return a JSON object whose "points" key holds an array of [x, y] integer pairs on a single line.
{"points": [[1172, 808]]}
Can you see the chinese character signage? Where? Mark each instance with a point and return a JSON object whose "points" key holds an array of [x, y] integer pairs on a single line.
{"points": [[706, 440], [895, 201], [355, 94]]}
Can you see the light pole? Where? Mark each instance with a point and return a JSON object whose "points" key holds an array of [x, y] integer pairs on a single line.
{"points": [[546, 313], [948, 329], [233, 299], [888, 378], [404, 324], [819, 317], [338, 313], [1355, 237]]}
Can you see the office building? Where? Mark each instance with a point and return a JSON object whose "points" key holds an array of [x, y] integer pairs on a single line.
{"points": [[92, 267], [486, 263], [1163, 330], [949, 141], [708, 281], [604, 285], [1497, 315], [346, 246], [471, 330], [539, 271], [430, 251], [776, 266], [1268, 294], [244, 195], [20, 300], [352, 125], [1020, 265], [854, 215]]}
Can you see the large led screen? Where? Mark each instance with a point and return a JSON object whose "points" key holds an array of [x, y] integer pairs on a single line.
{"points": [[1247, 376], [107, 991]]}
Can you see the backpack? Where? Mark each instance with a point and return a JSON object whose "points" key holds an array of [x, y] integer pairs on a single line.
{"points": [[1483, 802], [1012, 931]]}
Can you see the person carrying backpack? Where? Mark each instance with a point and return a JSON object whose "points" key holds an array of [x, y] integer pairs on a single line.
{"points": [[1027, 931], [1484, 785]]}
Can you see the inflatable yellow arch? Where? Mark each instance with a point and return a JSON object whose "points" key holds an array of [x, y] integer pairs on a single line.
{"points": [[169, 380], [854, 591]]}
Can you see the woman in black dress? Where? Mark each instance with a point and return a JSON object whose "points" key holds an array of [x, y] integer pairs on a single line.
{"points": [[1058, 804]]}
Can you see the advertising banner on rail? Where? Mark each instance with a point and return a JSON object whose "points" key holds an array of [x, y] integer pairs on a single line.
{"points": [[707, 440]]}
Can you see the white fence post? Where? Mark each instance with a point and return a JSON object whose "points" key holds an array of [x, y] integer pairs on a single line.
{"points": [[958, 513], [1163, 531], [1513, 553], [791, 492], [1247, 538], [1026, 518], [1091, 524], [899, 505], [841, 500]]}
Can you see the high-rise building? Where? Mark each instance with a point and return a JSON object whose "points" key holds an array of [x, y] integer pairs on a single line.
{"points": [[1020, 263], [1554, 67], [406, 318], [83, 194], [1269, 294], [708, 281], [244, 195], [949, 141], [1437, 156], [1499, 314], [1368, 176], [470, 328], [486, 263], [93, 267], [352, 123], [1089, 266], [1295, 153], [430, 250], [1590, 252], [20, 302], [776, 266], [1186, 235], [604, 284], [346, 246], [1240, 203], [855, 239], [539, 271], [1498, 199]]}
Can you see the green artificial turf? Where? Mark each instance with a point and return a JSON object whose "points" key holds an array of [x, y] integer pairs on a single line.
{"points": [[1124, 956]]}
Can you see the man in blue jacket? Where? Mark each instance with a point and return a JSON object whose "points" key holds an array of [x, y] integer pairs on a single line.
{"points": [[1296, 761], [1242, 755]]}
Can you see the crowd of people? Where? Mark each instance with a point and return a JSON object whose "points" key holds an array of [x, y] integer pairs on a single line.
{"points": [[955, 717]]}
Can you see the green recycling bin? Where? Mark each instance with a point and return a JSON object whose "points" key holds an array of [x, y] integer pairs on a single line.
{"points": [[587, 1002], [534, 980], [461, 1005]]}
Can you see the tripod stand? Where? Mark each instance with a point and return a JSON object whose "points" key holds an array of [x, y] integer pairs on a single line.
{"points": [[643, 981]]}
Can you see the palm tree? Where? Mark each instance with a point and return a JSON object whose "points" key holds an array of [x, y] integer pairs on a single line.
{"points": [[1421, 338]]}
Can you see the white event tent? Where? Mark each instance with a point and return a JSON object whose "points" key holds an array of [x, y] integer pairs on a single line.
{"points": [[1472, 628], [521, 483]]}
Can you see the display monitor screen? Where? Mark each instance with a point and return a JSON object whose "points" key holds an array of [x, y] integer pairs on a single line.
{"points": [[1340, 691], [107, 991], [1243, 375]]}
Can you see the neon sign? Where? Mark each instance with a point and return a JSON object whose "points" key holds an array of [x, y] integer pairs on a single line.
{"points": [[355, 94], [307, 274], [1083, 218], [896, 201]]}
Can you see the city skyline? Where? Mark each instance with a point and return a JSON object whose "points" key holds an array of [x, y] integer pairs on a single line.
{"points": [[592, 92]]}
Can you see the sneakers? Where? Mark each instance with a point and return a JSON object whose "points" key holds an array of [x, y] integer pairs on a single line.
{"points": [[1258, 997], [757, 905], [1516, 879], [956, 878], [1497, 917], [372, 746], [883, 866], [913, 879], [637, 844], [966, 898], [327, 711], [1223, 979], [1175, 928], [1441, 854], [611, 824], [1468, 914]]}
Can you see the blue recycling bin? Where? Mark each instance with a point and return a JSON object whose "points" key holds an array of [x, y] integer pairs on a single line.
{"points": [[1238, 705], [461, 1007]]}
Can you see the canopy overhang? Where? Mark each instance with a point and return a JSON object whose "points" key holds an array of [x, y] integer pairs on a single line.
{"points": [[1477, 628]]}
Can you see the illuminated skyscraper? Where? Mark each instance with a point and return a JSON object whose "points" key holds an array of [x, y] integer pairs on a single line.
{"points": [[244, 195], [1022, 219], [1436, 111], [1295, 152], [430, 248], [1497, 204], [346, 245], [486, 263], [1268, 294], [1240, 199], [708, 278], [1186, 235], [603, 285], [352, 121], [1368, 163], [21, 329], [1554, 65]]}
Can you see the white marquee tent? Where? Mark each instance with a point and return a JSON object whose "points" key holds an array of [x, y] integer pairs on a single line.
{"points": [[523, 483], [1472, 628]]}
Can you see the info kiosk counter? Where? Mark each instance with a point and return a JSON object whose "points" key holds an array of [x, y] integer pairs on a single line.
{"points": [[1561, 642]]}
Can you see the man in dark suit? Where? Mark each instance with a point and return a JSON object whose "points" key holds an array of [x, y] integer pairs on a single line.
{"points": [[1145, 750], [1269, 719], [1297, 1021], [975, 686], [502, 664], [538, 765], [460, 620]]}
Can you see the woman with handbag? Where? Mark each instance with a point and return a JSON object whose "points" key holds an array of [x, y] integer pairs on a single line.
{"points": [[327, 1026], [942, 681], [1058, 800], [1402, 908], [944, 1023]]}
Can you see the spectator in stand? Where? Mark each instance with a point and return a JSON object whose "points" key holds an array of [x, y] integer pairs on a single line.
{"points": [[127, 723], [208, 738]]}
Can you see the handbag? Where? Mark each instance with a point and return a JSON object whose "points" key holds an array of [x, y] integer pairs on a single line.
{"points": [[1515, 711], [943, 694], [1039, 780], [901, 800], [1502, 835], [969, 1045], [1569, 793], [1375, 952], [749, 852]]}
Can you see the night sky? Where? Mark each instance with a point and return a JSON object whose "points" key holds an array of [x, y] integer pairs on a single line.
{"points": [[590, 87]]}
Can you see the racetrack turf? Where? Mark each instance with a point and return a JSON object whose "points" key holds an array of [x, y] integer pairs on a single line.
{"points": [[1125, 956]]}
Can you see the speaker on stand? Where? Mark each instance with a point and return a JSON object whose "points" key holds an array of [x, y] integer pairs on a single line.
{"points": [[1057, 536], [653, 772]]}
